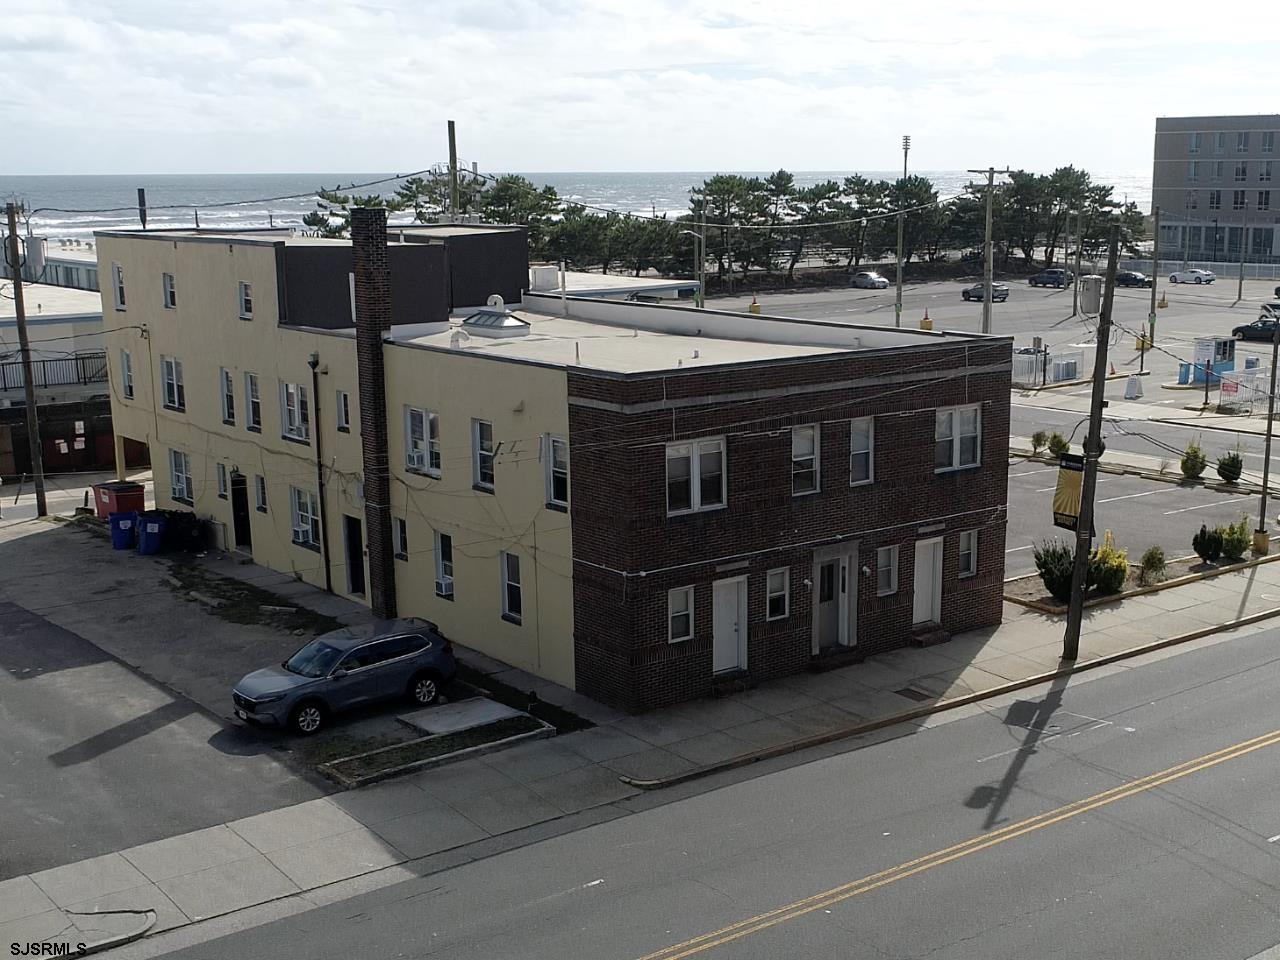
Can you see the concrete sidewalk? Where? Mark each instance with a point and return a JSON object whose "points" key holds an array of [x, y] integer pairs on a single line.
{"points": [[330, 848]]}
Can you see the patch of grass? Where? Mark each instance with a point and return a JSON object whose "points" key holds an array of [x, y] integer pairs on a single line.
{"points": [[243, 602], [524, 700], [437, 746], [326, 748]]}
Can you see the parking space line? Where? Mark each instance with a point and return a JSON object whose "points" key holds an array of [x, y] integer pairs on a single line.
{"points": [[1131, 496], [1202, 506], [1016, 549], [1027, 473]]}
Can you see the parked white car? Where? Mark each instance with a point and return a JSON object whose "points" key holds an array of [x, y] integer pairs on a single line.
{"points": [[1192, 276], [870, 280]]}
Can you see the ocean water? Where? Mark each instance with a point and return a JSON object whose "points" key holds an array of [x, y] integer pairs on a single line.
{"points": [[75, 206]]}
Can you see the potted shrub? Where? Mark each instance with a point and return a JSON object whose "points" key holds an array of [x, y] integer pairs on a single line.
{"points": [[1039, 440], [1236, 540], [1108, 566], [1055, 561], [1152, 567], [1230, 466], [1193, 461], [1207, 544], [1058, 444]]}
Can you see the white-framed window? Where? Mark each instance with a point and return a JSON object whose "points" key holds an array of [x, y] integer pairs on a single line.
{"points": [[512, 601], [175, 393], [1264, 174], [1219, 142], [180, 477], [400, 537], [126, 374], [1216, 169], [1242, 171], [422, 441], [956, 435], [679, 614], [1192, 199], [306, 517], [295, 418], [260, 492], [343, 406], [228, 387], [1268, 141], [778, 593], [805, 460], [968, 565], [170, 291], [252, 403], [1215, 199], [862, 445], [1264, 199], [117, 285], [1193, 170], [221, 472], [886, 571], [556, 452], [1193, 143], [444, 565], [701, 459], [246, 300], [1242, 141], [1237, 199], [482, 454]]}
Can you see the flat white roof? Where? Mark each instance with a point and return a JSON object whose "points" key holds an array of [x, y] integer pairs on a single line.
{"points": [[585, 284], [44, 301]]}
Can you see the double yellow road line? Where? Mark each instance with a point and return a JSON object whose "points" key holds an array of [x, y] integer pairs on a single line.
{"points": [[827, 898]]}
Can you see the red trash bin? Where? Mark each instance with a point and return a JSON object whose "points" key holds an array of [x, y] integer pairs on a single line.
{"points": [[118, 496]]}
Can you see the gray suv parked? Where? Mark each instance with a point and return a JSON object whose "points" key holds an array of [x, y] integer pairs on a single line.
{"points": [[345, 668]]}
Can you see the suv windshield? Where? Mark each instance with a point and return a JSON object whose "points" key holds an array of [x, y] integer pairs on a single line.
{"points": [[314, 660]]}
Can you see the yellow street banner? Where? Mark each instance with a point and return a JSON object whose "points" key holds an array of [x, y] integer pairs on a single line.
{"points": [[1067, 494]]}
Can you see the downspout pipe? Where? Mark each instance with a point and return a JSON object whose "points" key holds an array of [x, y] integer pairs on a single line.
{"points": [[314, 364]]}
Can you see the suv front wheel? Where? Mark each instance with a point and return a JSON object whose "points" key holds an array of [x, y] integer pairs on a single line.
{"points": [[424, 689], [307, 718]]}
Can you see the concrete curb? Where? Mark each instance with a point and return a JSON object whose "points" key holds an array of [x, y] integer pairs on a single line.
{"points": [[831, 736], [110, 943], [1059, 609], [1084, 383], [1251, 489]]}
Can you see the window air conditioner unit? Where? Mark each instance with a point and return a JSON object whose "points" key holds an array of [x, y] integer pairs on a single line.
{"points": [[417, 459], [301, 534], [444, 586]]}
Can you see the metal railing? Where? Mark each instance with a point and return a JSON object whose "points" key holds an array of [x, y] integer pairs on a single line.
{"points": [[1223, 270], [84, 368]]}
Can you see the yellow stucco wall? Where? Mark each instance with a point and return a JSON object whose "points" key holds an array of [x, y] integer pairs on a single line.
{"points": [[522, 401]]}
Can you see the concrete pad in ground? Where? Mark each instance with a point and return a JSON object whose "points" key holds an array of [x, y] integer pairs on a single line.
{"points": [[652, 764], [422, 834], [945, 686], [667, 726], [871, 674], [1173, 599], [1010, 666], [461, 715], [760, 734], [510, 809], [148, 897], [874, 704], [335, 858], [384, 801], [299, 823], [20, 897], [711, 747], [602, 743], [820, 718], [96, 877], [231, 886], [773, 699], [456, 782], [533, 761], [188, 853], [583, 788]]}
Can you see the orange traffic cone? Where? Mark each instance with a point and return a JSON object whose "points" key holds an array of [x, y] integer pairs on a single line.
{"points": [[1113, 369]]}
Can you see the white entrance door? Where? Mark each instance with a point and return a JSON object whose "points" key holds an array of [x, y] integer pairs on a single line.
{"points": [[729, 625], [832, 609], [928, 582]]}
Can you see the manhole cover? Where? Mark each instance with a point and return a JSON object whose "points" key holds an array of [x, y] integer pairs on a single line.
{"points": [[913, 694]]}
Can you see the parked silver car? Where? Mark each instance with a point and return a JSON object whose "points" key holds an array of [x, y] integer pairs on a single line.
{"points": [[346, 668], [870, 280]]}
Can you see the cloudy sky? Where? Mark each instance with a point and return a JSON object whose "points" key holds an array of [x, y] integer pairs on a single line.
{"points": [[185, 86]]}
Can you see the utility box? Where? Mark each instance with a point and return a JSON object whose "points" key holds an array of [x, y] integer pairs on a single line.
{"points": [[118, 496], [1091, 294], [1213, 357]]}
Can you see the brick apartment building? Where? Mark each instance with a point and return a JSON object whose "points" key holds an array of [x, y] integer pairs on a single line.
{"points": [[637, 501]]}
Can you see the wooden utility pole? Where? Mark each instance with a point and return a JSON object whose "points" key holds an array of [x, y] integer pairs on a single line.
{"points": [[453, 175], [14, 257], [1092, 451], [988, 269], [897, 306]]}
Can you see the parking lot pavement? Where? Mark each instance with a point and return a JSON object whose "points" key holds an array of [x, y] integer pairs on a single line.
{"points": [[98, 757], [1141, 513]]}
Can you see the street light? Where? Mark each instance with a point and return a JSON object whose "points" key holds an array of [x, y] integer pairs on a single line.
{"points": [[897, 308], [699, 267]]}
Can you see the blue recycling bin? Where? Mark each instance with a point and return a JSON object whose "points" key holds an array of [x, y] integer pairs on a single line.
{"points": [[124, 526], [150, 533]]}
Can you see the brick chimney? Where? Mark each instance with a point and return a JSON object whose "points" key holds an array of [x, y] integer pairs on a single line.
{"points": [[373, 322]]}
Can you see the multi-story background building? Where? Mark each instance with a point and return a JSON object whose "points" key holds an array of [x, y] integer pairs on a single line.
{"points": [[638, 501], [1214, 181]]}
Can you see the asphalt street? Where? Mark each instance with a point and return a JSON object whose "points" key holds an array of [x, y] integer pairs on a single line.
{"points": [[96, 758], [1131, 816]]}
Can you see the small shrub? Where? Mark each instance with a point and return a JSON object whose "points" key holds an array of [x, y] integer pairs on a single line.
{"points": [[1193, 461], [1039, 440], [1236, 540], [1108, 566], [1230, 466], [1055, 561], [1058, 444], [1207, 544], [1153, 566], [1164, 464]]}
